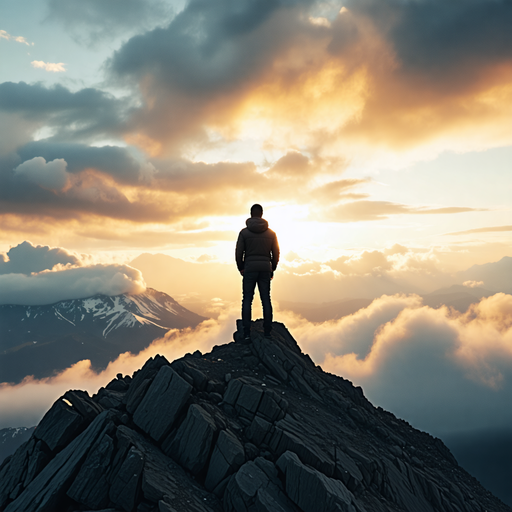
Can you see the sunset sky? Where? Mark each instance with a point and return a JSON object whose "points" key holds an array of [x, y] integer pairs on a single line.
{"points": [[135, 126], [377, 135]]}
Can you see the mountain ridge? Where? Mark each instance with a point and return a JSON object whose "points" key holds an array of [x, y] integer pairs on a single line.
{"points": [[98, 328], [252, 427]]}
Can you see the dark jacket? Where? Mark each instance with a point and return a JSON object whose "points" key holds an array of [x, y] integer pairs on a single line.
{"points": [[257, 248]]}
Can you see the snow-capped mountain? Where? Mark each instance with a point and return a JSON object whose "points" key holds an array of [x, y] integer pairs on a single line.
{"points": [[11, 438], [39, 340]]}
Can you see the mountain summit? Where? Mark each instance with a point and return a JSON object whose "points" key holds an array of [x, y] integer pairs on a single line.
{"points": [[254, 427], [41, 340]]}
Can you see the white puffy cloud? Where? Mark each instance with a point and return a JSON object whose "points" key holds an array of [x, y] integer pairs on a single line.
{"points": [[440, 370], [26, 403], [49, 175], [37, 275], [54, 67], [473, 284], [26, 258], [19, 39], [48, 287]]}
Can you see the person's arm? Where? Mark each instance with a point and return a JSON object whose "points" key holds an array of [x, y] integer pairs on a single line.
{"points": [[275, 253], [239, 253]]}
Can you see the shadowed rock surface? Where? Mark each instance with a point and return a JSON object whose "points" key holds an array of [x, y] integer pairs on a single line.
{"points": [[251, 426]]}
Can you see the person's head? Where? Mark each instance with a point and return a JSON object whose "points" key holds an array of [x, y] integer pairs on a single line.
{"points": [[256, 210]]}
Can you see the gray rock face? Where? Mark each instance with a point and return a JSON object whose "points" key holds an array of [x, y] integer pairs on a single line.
{"points": [[91, 486], [191, 446], [162, 403], [59, 426], [227, 457], [311, 490], [256, 487], [250, 427], [126, 485], [46, 491]]}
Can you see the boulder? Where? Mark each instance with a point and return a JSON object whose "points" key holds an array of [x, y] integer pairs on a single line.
{"points": [[13, 469], [256, 487], [162, 403], [59, 425], [91, 487], [311, 490], [228, 455], [126, 485], [193, 440], [45, 492]]}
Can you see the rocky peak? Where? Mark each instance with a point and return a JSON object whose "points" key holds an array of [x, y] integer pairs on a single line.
{"points": [[251, 426]]}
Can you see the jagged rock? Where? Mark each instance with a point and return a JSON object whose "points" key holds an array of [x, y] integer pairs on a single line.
{"points": [[335, 451], [311, 490], [46, 491], [109, 399], [162, 403], [198, 378], [126, 485], [36, 462], [256, 487], [13, 470], [90, 486], [83, 404], [289, 435], [193, 440], [144, 375], [59, 425], [228, 455], [258, 430]]}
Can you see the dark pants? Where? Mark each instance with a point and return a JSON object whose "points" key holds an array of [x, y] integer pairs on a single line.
{"points": [[248, 284]]}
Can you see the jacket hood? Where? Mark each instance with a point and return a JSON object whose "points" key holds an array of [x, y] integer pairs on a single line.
{"points": [[256, 224]]}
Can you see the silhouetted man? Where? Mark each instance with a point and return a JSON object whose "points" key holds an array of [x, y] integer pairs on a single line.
{"points": [[257, 256]]}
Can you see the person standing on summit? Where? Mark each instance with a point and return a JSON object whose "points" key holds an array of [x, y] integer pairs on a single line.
{"points": [[257, 256]]}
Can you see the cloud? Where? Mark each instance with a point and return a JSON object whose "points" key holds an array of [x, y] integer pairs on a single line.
{"points": [[86, 114], [51, 175], [490, 229], [440, 370], [359, 211], [375, 74], [26, 403], [117, 162], [473, 284], [94, 21], [48, 287], [26, 258], [18, 39], [37, 275], [53, 67]]}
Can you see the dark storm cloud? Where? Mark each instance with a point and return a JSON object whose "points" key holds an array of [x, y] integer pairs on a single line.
{"points": [[434, 35], [424, 64], [82, 114], [205, 48], [26, 258], [112, 160], [93, 20]]}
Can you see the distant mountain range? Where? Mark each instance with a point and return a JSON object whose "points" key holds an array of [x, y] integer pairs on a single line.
{"points": [[11, 438], [42, 340]]}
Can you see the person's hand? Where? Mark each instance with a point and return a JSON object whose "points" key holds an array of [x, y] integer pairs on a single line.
{"points": [[241, 272]]}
